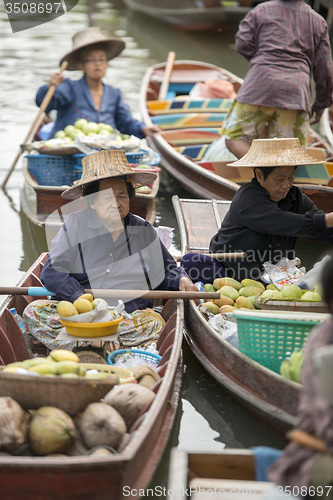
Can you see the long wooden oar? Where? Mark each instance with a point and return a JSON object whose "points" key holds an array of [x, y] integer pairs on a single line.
{"points": [[308, 440], [166, 78], [36, 123], [220, 256], [36, 291]]}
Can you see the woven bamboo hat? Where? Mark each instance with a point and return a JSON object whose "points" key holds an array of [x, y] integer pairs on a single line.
{"points": [[91, 38], [275, 153], [105, 165]]}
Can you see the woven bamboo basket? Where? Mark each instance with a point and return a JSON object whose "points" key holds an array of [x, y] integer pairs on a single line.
{"points": [[71, 395]]}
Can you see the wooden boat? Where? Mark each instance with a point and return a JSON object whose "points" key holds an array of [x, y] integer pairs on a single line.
{"points": [[192, 15], [189, 125], [92, 477], [41, 202], [230, 473], [260, 390]]}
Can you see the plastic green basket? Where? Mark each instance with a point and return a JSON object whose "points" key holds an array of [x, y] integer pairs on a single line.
{"points": [[270, 337]]}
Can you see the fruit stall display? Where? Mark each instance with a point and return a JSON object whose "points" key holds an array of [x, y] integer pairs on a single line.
{"points": [[261, 341], [45, 418]]}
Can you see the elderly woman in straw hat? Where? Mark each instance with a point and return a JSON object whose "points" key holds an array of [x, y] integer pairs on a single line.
{"points": [[89, 97], [104, 246], [266, 215]]}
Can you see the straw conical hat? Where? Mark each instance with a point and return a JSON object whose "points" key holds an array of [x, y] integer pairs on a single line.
{"points": [[275, 153], [91, 38], [105, 165]]}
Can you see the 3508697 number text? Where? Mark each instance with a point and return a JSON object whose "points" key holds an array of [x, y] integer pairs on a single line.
{"points": [[32, 8], [304, 491]]}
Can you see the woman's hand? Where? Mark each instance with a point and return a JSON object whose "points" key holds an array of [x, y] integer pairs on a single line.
{"points": [[56, 79], [149, 131], [329, 219], [187, 285]]}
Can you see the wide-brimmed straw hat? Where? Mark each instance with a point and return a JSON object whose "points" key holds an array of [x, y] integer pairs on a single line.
{"points": [[89, 39], [106, 165], [275, 153]]}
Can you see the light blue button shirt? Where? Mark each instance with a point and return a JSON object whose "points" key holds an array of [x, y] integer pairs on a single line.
{"points": [[72, 100]]}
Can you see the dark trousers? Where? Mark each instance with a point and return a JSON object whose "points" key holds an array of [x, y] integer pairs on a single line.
{"points": [[201, 267]]}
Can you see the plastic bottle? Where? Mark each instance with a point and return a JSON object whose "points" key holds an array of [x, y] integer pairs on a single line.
{"points": [[21, 324], [201, 287]]}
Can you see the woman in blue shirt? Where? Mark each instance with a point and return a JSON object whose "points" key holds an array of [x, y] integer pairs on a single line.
{"points": [[89, 97]]}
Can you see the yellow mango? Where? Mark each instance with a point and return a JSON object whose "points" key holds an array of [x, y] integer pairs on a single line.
{"points": [[271, 286], [229, 291], [228, 282], [87, 296], [252, 298], [246, 291], [82, 305], [223, 301], [248, 282], [66, 309], [244, 302], [226, 309]]}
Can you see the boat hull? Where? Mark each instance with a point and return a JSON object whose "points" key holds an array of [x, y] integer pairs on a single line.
{"points": [[263, 392], [91, 477]]}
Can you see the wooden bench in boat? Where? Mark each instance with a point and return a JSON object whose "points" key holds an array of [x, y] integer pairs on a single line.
{"points": [[229, 474], [188, 105], [183, 120]]}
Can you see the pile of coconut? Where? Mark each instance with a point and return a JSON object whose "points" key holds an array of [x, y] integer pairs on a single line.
{"points": [[101, 428]]}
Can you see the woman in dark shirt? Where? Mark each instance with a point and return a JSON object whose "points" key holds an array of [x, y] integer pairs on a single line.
{"points": [[266, 215]]}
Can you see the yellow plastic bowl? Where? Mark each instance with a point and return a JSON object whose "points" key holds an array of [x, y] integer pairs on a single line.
{"points": [[91, 329]]}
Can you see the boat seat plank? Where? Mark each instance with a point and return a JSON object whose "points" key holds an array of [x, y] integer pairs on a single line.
{"points": [[205, 489], [196, 152], [226, 465], [188, 105], [191, 136], [188, 75], [203, 219], [181, 120], [203, 222]]}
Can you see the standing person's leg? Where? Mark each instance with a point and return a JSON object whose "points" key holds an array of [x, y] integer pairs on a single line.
{"points": [[290, 123], [244, 123], [238, 147]]}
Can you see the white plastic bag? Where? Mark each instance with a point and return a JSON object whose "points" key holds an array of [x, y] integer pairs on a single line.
{"points": [[312, 277], [284, 272]]}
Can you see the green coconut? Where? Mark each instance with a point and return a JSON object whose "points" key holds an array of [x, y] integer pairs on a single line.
{"points": [[51, 431]]}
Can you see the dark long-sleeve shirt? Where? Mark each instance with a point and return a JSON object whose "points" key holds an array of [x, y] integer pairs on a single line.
{"points": [[266, 230], [84, 255], [286, 43], [72, 99]]}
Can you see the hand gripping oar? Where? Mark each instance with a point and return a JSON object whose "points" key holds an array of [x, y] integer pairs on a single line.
{"points": [[35, 124], [36, 291]]}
